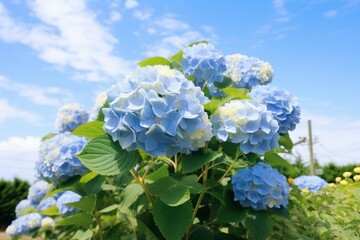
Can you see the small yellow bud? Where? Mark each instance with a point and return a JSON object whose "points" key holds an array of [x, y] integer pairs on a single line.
{"points": [[357, 169], [332, 185], [305, 191], [290, 180], [338, 179], [346, 174], [356, 178], [344, 182]]}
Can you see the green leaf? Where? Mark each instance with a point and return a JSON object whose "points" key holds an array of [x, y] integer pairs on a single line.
{"points": [[172, 221], [230, 149], [88, 177], [51, 211], [286, 142], [83, 235], [170, 191], [101, 115], [80, 219], [225, 83], [86, 204], [109, 208], [195, 161], [237, 93], [212, 105], [105, 157], [90, 129], [259, 224], [130, 194], [279, 163], [231, 211], [191, 182], [176, 195], [155, 61], [158, 173], [95, 185], [177, 57], [198, 42], [48, 136], [282, 212]]}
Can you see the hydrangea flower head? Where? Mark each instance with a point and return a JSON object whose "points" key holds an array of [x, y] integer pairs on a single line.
{"points": [[47, 223], [67, 197], [282, 104], [248, 123], [24, 224], [205, 63], [247, 72], [312, 183], [260, 186], [22, 207], [57, 162], [159, 110], [70, 116], [11, 231], [99, 102], [46, 203], [38, 191]]}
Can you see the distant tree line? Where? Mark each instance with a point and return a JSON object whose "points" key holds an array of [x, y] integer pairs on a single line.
{"points": [[11, 193]]}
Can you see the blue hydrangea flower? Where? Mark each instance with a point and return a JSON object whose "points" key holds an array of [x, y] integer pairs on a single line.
{"points": [[67, 197], [248, 123], [23, 225], [260, 186], [247, 72], [159, 110], [205, 63], [57, 162], [99, 102], [38, 191], [282, 104], [46, 203], [70, 116], [22, 207], [312, 183]]}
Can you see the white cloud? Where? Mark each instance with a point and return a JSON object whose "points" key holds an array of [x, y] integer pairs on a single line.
{"points": [[9, 112], [330, 14], [175, 34], [335, 139], [50, 96], [18, 156], [143, 14], [115, 16], [131, 4], [282, 13], [69, 35]]}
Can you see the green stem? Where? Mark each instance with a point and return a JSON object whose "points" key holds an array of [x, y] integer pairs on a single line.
{"points": [[98, 221], [176, 163], [238, 154], [198, 203], [141, 182]]}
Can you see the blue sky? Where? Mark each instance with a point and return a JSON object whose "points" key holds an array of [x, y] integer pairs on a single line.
{"points": [[61, 51]]}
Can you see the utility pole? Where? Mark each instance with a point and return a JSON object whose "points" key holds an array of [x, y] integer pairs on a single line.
{"points": [[312, 169]]}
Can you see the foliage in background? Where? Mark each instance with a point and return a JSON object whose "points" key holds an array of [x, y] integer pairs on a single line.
{"points": [[332, 213], [332, 171], [11, 192]]}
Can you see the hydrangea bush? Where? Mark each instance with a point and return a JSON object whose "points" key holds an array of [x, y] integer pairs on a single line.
{"points": [[179, 148], [311, 183]]}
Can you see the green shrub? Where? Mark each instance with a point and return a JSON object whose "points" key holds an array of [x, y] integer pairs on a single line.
{"points": [[332, 213], [331, 171], [11, 192]]}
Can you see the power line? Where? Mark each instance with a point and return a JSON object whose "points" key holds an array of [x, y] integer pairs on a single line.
{"points": [[336, 154]]}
